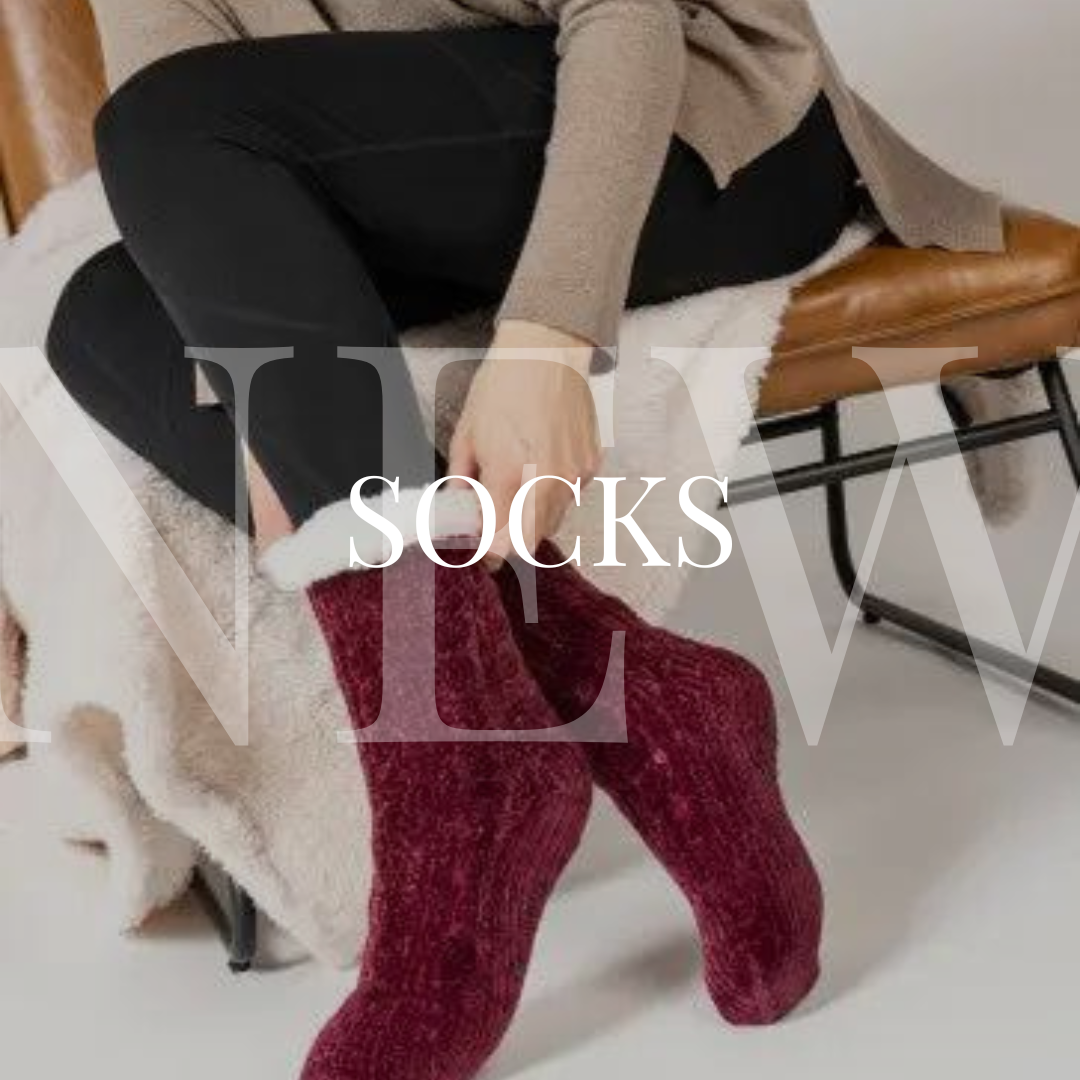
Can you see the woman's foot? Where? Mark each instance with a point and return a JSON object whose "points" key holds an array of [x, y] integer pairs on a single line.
{"points": [[697, 779], [469, 837]]}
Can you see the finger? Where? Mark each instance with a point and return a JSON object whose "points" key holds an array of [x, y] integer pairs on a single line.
{"points": [[503, 546], [542, 513], [502, 490], [530, 516], [551, 511], [493, 562], [462, 460]]}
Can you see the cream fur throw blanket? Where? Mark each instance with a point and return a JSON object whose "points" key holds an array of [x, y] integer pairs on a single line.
{"points": [[138, 761]]}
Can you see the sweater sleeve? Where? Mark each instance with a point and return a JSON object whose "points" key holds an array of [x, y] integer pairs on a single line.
{"points": [[134, 33], [620, 82]]}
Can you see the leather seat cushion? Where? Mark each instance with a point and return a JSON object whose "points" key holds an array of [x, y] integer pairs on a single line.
{"points": [[1015, 307], [51, 84]]}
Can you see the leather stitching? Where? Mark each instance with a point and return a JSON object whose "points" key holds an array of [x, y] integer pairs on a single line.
{"points": [[973, 311]]}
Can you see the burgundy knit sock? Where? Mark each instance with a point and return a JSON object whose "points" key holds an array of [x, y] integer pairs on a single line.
{"points": [[469, 837], [697, 779]]}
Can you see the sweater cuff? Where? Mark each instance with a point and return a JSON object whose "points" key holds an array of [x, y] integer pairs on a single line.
{"points": [[586, 313]]}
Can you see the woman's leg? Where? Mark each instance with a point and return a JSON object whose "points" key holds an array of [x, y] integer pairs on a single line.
{"points": [[778, 214], [261, 240], [271, 190], [267, 189], [487, 828], [446, 242], [469, 838], [697, 777], [116, 351]]}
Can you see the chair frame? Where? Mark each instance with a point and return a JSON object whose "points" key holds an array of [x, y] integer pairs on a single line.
{"points": [[237, 918], [836, 469]]}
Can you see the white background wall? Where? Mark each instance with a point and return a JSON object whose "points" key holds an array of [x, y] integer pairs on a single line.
{"points": [[991, 86]]}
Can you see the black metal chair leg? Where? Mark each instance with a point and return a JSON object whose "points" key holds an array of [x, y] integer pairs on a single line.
{"points": [[235, 917], [836, 510], [1060, 399], [243, 927]]}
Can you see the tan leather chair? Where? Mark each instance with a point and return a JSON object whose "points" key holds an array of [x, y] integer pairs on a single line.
{"points": [[1019, 308], [51, 84], [1003, 311]]}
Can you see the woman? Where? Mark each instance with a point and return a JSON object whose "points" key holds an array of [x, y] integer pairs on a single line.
{"points": [[559, 159]]}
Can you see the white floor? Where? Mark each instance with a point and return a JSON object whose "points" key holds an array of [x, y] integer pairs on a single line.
{"points": [[952, 864]]}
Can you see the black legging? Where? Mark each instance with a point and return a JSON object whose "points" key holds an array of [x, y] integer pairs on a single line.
{"points": [[332, 190]]}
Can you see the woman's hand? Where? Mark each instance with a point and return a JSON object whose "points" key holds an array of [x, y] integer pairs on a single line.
{"points": [[529, 405]]}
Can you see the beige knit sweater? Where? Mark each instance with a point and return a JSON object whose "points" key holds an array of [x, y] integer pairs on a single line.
{"points": [[731, 77]]}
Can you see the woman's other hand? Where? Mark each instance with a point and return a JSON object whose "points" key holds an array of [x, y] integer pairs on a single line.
{"points": [[529, 405]]}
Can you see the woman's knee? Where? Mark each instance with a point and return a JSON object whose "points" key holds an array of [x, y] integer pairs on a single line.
{"points": [[137, 119], [157, 126], [103, 296], [80, 312]]}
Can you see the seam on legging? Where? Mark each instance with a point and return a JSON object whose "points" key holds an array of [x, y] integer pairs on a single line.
{"points": [[288, 157], [443, 46], [438, 142]]}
